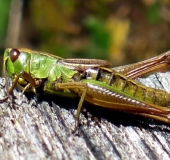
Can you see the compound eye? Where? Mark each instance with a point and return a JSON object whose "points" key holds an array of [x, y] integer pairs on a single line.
{"points": [[14, 54]]}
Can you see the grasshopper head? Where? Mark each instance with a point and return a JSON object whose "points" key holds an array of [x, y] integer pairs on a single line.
{"points": [[16, 61]]}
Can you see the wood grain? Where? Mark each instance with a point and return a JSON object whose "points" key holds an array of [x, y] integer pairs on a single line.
{"points": [[41, 128]]}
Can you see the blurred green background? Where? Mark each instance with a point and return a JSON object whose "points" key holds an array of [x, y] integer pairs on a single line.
{"points": [[121, 31]]}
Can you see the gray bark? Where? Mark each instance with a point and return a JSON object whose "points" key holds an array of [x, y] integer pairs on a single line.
{"points": [[36, 129]]}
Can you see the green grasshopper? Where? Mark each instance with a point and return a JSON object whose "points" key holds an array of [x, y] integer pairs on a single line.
{"points": [[92, 80]]}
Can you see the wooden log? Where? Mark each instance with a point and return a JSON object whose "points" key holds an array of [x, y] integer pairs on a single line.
{"points": [[41, 128]]}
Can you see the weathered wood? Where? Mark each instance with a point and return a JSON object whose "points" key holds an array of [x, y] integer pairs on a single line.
{"points": [[35, 129]]}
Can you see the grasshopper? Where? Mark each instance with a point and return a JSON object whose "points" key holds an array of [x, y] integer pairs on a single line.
{"points": [[92, 80]]}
